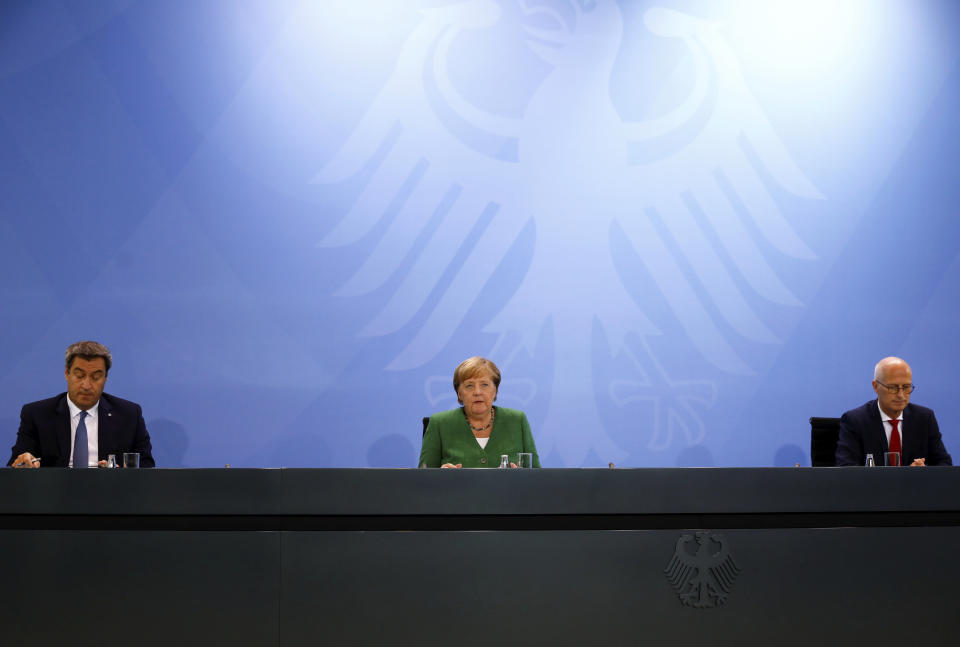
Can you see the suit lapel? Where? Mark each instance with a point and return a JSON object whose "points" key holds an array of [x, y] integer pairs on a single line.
{"points": [[909, 442], [876, 428], [104, 427], [61, 416]]}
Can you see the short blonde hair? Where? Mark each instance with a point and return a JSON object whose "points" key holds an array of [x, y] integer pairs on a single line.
{"points": [[471, 368]]}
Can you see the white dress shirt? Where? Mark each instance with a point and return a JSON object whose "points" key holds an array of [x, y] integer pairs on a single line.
{"points": [[93, 445], [888, 427]]}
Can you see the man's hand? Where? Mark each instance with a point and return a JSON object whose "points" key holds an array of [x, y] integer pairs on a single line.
{"points": [[452, 466], [26, 459], [920, 462]]}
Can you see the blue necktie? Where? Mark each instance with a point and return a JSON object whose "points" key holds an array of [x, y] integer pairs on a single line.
{"points": [[80, 443]]}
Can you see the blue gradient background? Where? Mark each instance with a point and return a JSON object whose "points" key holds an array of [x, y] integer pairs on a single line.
{"points": [[168, 189]]}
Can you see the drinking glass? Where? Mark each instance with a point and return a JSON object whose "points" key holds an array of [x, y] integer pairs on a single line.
{"points": [[131, 459], [891, 459], [525, 459]]}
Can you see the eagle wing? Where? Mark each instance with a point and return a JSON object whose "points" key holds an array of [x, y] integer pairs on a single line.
{"points": [[703, 217], [435, 198], [683, 566], [722, 566]]}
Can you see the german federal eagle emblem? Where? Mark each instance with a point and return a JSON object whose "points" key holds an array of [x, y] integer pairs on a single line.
{"points": [[702, 570]]}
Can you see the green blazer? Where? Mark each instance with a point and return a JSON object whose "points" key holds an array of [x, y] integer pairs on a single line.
{"points": [[448, 439]]}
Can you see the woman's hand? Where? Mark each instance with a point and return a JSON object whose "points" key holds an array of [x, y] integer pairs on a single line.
{"points": [[451, 466]]}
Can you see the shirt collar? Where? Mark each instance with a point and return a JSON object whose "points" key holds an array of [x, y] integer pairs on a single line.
{"points": [[75, 410], [883, 416]]}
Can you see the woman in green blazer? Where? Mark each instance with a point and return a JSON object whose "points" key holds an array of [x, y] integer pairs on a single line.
{"points": [[478, 433]]}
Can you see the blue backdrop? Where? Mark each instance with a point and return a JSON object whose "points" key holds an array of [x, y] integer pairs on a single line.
{"points": [[680, 228]]}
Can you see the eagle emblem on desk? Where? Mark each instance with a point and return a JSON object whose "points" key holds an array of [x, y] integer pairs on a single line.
{"points": [[702, 570]]}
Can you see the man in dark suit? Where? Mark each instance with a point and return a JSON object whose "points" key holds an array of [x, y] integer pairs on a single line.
{"points": [[890, 423], [81, 427]]}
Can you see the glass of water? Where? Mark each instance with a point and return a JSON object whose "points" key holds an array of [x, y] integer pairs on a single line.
{"points": [[131, 459], [525, 459]]}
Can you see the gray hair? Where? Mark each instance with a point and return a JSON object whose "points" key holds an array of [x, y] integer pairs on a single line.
{"points": [[88, 350]]}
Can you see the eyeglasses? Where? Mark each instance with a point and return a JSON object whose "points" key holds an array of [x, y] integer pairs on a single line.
{"points": [[894, 388]]}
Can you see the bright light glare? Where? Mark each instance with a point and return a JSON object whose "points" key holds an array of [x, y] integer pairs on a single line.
{"points": [[805, 37], [353, 29]]}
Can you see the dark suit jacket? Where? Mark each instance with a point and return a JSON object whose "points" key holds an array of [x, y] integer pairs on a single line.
{"points": [[45, 431], [861, 433]]}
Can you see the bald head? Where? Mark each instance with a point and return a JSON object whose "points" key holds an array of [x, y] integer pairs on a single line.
{"points": [[888, 364]]}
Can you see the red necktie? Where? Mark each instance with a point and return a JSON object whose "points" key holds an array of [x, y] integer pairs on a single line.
{"points": [[895, 438]]}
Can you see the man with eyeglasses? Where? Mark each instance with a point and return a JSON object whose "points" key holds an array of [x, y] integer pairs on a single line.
{"points": [[890, 423]]}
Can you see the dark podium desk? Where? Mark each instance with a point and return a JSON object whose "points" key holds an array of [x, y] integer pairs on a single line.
{"points": [[480, 557]]}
